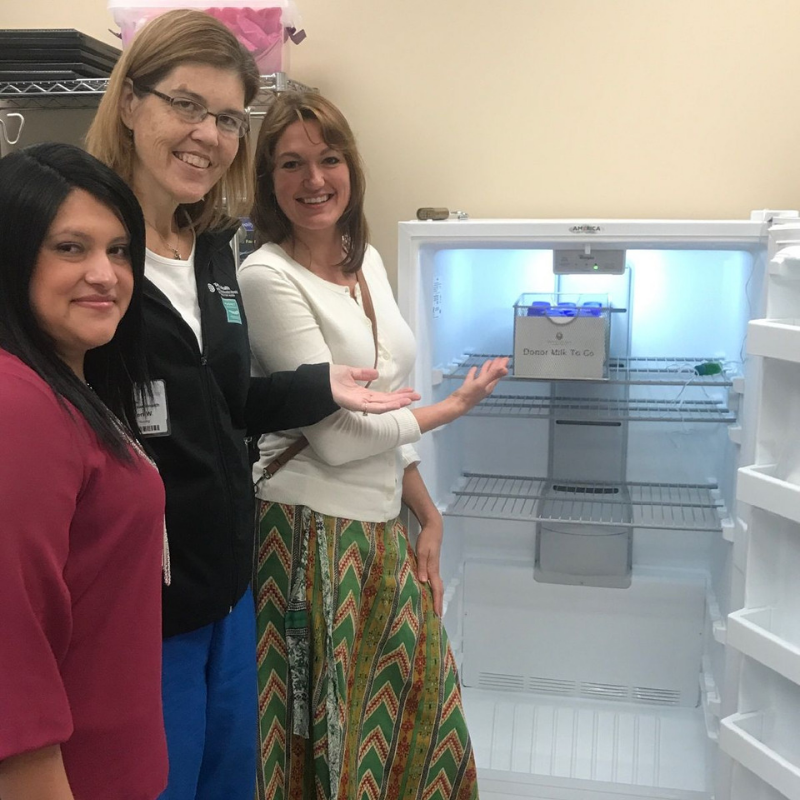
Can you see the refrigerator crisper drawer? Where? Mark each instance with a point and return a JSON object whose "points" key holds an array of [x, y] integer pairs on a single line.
{"points": [[641, 645], [579, 554]]}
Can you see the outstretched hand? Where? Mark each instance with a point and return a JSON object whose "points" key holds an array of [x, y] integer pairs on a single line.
{"points": [[350, 394], [479, 384]]}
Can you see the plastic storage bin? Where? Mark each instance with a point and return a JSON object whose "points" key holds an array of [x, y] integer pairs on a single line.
{"points": [[561, 336], [580, 554], [262, 26]]}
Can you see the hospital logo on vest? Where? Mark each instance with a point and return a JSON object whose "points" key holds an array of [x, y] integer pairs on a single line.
{"points": [[232, 310], [229, 302]]}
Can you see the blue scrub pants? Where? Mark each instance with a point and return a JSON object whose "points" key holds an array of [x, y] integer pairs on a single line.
{"points": [[210, 700]]}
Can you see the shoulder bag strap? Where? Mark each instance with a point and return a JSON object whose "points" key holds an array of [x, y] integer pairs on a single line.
{"points": [[369, 310], [300, 444]]}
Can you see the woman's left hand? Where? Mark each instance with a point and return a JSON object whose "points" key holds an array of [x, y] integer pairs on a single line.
{"points": [[429, 546], [349, 394]]}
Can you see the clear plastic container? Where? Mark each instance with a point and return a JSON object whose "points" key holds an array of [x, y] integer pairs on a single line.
{"points": [[561, 336], [262, 26]]}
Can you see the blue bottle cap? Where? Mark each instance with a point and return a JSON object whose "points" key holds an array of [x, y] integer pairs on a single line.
{"points": [[538, 308], [565, 310], [591, 308]]}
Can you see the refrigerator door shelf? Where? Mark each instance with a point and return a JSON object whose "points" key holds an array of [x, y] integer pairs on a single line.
{"points": [[747, 786], [757, 486], [774, 338], [750, 632], [741, 737]]}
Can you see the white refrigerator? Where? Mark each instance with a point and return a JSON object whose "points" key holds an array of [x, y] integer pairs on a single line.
{"points": [[622, 547]]}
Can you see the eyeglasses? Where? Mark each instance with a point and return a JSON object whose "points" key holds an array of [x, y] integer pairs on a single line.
{"points": [[194, 112]]}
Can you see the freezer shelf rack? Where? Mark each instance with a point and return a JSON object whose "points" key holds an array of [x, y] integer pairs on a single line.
{"points": [[639, 371], [86, 92], [602, 409], [666, 506]]}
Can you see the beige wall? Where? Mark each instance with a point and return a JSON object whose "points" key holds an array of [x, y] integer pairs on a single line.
{"points": [[546, 108]]}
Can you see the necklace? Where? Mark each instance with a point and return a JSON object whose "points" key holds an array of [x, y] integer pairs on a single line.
{"points": [[166, 244]]}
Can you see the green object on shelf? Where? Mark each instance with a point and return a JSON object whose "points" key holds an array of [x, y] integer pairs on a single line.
{"points": [[708, 368]]}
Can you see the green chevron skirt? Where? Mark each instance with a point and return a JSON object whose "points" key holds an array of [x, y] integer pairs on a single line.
{"points": [[358, 690]]}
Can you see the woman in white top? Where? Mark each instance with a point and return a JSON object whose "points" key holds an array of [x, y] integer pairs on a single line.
{"points": [[358, 687]]}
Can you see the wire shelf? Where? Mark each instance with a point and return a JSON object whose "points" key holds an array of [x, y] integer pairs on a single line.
{"points": [[512, 406], [666, 371], [86, 92], [672, 506]]}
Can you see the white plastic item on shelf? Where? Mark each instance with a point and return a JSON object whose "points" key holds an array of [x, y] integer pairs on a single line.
{"points": [[260, 25], [774, 338]]}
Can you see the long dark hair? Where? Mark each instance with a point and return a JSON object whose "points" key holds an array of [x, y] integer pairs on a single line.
{"points": [[270, 223], [34, 183]]}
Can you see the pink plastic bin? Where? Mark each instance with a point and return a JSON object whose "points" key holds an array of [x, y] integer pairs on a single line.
{"points": [[259, 26]]}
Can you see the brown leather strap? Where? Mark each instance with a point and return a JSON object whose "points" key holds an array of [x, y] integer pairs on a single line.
{"points": [[287, 455], [298, 446], [369, 310]]}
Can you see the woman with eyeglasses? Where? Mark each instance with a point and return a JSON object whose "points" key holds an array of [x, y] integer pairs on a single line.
{"points": [[173, 123]]}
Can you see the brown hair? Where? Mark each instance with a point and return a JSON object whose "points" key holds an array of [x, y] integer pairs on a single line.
{"points": [[269, 222], [176, 38]]}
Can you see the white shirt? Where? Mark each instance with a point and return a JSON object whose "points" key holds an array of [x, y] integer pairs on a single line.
{"points": [[354, 464], [176, 280]]}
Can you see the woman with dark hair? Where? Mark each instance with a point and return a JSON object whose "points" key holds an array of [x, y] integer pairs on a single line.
{"points": [[358, 688], [82, 506], [173, 123]]}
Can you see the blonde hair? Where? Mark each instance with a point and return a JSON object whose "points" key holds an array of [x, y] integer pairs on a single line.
{"points": [[269, 221], [176, 38]]}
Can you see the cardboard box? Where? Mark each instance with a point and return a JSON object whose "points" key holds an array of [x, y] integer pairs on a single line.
{"points": [[556, 338]]}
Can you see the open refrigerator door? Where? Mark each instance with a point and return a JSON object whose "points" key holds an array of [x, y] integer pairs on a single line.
{"points": [[590, 517], [759, 733]]}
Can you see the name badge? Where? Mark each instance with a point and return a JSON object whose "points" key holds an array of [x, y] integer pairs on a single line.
{"points": [[152, 414]]}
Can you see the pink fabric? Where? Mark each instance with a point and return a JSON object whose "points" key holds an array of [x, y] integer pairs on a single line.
{"points": [[80, 597]]}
